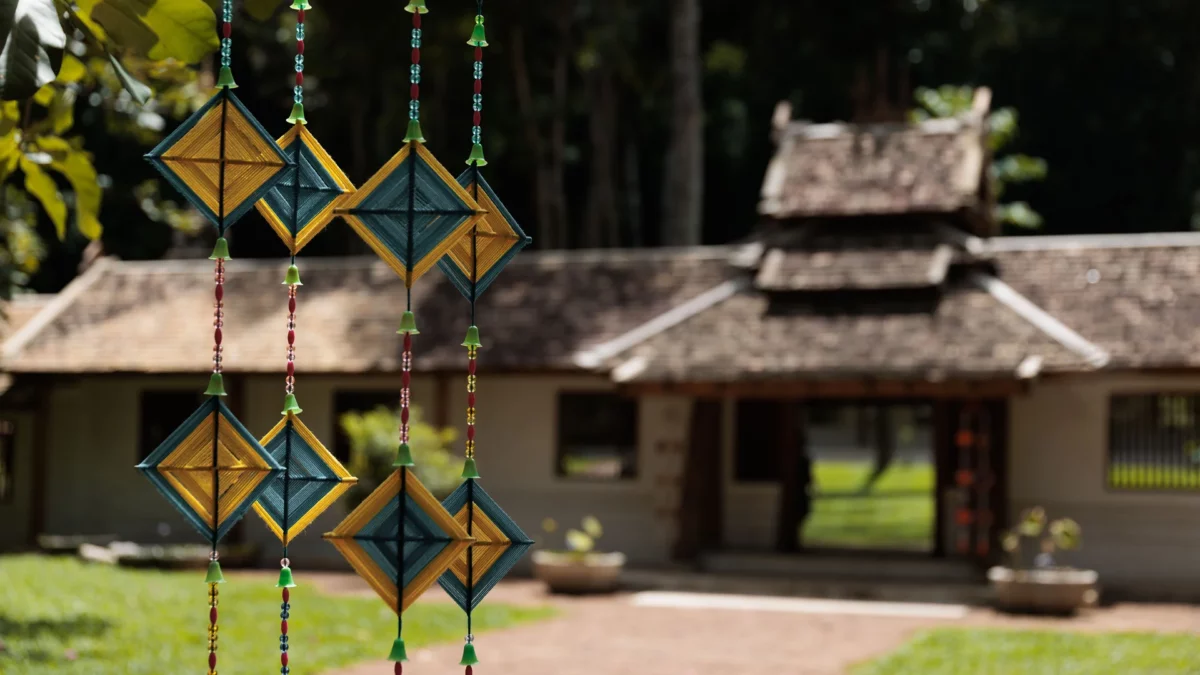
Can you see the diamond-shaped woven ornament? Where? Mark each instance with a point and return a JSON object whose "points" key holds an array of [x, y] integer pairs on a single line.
{"points": [[182, 469], [499, 544], [220, 159], [368, 539], [497, 240], [312, 481], [411, 198], [299, 209]]}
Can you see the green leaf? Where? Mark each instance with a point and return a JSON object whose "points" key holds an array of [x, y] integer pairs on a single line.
{"points": [[1020, 168], [579, 542], [33, 47], [77, 168], [39, 184], [157, 29], [592, 526], [261, 10], [1066, 533], [1018, 214], [45, 95], [139, 91]]}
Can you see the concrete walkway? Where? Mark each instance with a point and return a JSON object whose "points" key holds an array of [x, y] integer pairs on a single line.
{"points": [[686, 634]]}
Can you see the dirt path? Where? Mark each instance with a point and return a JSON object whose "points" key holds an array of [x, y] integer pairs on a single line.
{"points": [[612, 636]]}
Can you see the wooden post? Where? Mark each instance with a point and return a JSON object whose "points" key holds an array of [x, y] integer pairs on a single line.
{"points": [[787, 533], [41, 453], [700, 504]]}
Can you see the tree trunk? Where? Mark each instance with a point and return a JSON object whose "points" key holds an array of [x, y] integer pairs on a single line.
{"points": [[542, 188], [601, 217], [683, 180], [558, 124]]}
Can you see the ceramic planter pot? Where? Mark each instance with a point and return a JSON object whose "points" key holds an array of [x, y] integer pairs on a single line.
{"points": [[1048, 591], [576, 574]]}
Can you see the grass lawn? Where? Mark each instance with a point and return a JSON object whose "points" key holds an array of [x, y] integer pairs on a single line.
{"points": [[897, 513], [59, 616], [1003, 652]]}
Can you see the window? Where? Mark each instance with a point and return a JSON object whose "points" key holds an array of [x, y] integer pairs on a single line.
{"points": [[8, 477], [162, 412], [597, 436], [1154, 442], [357, 401], [758, 440]]}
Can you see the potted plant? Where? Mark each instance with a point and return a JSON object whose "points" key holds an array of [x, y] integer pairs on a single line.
{"points": [[1045, 586], [580, 568]]}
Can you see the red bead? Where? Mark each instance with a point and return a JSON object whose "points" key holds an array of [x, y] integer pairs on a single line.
{"points": [[478, 115], [414, 91], [471, 366], [291, 337], [226, 29], [217, 336], [416, 55], [219, 292], [408, 342], [299, 46], [212, 660], [478, 86], [478, 53], [399, 666], [212, 615], [291, 368], [283, 659], [286, 595], [469, 671], [470, 432], [405, 378], [404, 415], [283, 627], [416, 24], [300, 16], [299, 79], [471, 400], [292, 305]]}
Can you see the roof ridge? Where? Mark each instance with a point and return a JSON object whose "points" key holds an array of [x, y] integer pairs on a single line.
{"points": [[1095, 355], [63, 300], [1077, 241], [594, 356]]}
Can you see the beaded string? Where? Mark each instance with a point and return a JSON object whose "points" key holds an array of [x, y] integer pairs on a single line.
{"points": [[470, 472]]}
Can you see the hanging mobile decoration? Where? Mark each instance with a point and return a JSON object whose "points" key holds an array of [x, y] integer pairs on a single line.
{"points": [[411, 212], [472, 264], [210, 468], [297, 208]]}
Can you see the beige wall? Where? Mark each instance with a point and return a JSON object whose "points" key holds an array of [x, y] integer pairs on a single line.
{"points": [[94, 489], [1139, 541]]}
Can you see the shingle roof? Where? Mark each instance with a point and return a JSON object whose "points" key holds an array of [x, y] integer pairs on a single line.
{"points": [[157, 316], [1139, 301], [853, 261], [880, 169]]}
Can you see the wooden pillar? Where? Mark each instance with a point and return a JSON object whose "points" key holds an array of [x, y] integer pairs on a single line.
{"points": [[41, 452], [787, 531], [700, 504], [943, 462]]}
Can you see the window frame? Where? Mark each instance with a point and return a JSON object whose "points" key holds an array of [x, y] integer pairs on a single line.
{"points": [[560, 454], [1107, 478]]}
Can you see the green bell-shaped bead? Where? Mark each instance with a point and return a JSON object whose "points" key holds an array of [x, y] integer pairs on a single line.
{"points": [[292, 278], [225, 79], [214, 575], [297, 116], [470, 470], [414, 134], [403, 457], [476, 157], [301, 4], [285, 578], [472, 339], [408, 324], [469, 658], [216, 385], [416, 7], [399, 653], [221, 250], [290, 405], [478, 37]]}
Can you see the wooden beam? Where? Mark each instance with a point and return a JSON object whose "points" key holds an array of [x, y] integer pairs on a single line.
{"points": [[855, 389]]}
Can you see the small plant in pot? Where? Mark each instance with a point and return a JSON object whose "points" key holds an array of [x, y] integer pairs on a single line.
{"points": [[580, 568], [1044, 586]]}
